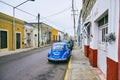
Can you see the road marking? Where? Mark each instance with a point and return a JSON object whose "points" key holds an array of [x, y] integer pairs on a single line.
{"points": [[68, 67]]}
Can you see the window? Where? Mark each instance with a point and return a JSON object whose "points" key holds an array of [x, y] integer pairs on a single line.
{"points": [[3, 39], [104, 32], [103, 21], [103, 24], [58, 47], [106, 19]]}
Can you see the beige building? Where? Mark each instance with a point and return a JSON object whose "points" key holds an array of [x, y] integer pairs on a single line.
{"points": [[45, 33], [28, 37]]}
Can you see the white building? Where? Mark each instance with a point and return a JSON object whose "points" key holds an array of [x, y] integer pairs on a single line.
{"points": [[35, 37], [60, 35], [101, 34], [28, 36]]}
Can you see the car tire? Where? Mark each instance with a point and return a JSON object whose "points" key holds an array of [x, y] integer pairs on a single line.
{"points": [[49, 60]]}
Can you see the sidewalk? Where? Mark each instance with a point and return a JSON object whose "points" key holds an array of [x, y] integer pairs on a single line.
{"points": [[15, 51], [79, 68], [19, 50]]}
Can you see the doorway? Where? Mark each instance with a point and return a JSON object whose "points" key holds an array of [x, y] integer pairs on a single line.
{"points": [[18, 41]]}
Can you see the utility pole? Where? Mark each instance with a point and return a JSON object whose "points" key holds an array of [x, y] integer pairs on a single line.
{"points": [[38, 30], [74, 21]]}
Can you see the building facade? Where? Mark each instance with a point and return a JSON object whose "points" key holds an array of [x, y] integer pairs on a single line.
{"points": [[45, 34], [28, 37], [11, 37], [60, 36], [35, 36], [100, 32], [79, 30], [46, 31], [54, 35]]}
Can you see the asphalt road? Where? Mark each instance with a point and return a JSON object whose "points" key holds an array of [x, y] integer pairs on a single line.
{"points": [[31, 65]]}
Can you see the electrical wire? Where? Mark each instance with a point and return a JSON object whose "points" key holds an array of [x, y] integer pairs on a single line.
{"points": [[41, 16], [53, 23], [58, 12], [6, 4], [57, 24], [18, 8]]}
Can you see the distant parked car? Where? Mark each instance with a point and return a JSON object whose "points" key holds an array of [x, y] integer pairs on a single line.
{"points": [[69, 44], [59, 52]]}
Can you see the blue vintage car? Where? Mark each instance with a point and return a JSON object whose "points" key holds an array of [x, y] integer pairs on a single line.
{"points": [[59, 52]]}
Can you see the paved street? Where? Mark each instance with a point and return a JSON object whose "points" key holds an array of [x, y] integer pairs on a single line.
{"points": [[31, 65]]}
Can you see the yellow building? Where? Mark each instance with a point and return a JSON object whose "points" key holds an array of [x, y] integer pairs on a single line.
{"points": [[11, 38], [55, 35]]}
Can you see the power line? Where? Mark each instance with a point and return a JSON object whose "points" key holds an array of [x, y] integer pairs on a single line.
{"points": [[42, 17], [53, 23], [18, 9], [36, 16], [6, 4], [58, 12], [26, 12], [58, 25]]}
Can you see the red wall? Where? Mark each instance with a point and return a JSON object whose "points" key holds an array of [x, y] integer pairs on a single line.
{"points": [[86, 50], [93, 57], [112, 69]]}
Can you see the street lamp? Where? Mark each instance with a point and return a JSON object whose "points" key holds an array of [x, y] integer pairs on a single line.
{"points": [[13, 23]]}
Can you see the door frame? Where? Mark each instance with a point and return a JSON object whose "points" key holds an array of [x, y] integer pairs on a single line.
{"points": [[20, 40], [6, 49]]}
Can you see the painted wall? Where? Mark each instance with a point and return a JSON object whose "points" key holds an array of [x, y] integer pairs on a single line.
{"points": [[28, 39], [54, 35], [20, 29], [114, 28], [35, 37], [106, 59], [98, 9], [61, 35], [6, 24]]}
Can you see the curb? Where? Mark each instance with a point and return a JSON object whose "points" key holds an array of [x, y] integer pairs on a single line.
{"points": [[14, 52], [22, 50], [67, 70]]}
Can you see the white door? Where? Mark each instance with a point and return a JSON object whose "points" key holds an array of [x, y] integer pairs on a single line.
{"points": [[102, 48]]}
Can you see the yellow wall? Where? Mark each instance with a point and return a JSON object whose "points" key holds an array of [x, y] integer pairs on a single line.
{"points": [[54, 34], [20, 29], [6, 24]]}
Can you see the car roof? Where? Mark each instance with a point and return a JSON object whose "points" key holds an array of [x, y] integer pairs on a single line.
{"points": [[61, 43]]}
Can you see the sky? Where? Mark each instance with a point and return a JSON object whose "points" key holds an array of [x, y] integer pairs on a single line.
{"points": [[56, 13]]}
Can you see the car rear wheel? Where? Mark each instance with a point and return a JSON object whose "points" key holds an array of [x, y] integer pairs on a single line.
{"points": [[49, 60]]}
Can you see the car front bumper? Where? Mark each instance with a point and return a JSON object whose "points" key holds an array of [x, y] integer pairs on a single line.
{"points": [[57, 59]]}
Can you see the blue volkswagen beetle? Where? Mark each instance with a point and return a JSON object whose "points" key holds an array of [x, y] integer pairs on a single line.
{"points": [[59, 52]]}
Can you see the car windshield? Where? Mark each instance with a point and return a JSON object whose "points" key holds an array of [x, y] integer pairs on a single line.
{"points": [[58, 47]]}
